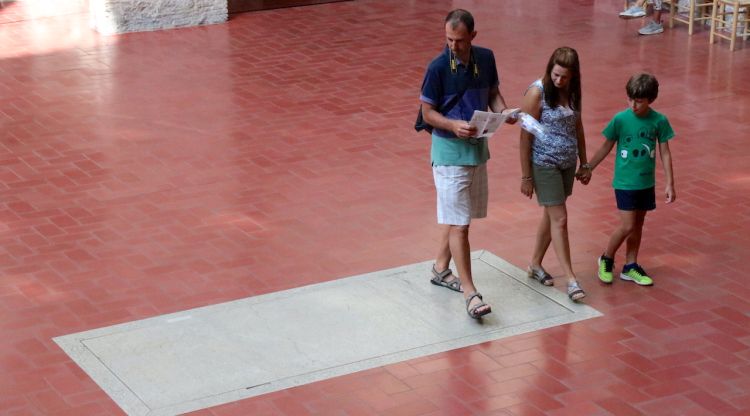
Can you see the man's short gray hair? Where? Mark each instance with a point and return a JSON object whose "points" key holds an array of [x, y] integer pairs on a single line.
{"points": [[457, 16]]}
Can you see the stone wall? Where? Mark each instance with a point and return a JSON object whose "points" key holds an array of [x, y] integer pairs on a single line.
{"points": [[119, 16]]}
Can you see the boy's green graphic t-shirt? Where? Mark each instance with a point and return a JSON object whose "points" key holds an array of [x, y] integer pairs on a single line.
{"points": [[637, 139]]}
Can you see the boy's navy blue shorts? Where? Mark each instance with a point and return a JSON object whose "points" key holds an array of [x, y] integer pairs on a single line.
{"points": [[637, 200]]}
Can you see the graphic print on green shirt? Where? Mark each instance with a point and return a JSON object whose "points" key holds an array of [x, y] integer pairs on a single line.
{"points": [[637, 139]]}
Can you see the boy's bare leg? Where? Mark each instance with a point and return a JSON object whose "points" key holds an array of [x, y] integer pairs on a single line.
{"points": [[633, 242], [627, 224]]}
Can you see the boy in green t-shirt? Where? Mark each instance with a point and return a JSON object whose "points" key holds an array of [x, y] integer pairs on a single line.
{"points": [[637, 131]]}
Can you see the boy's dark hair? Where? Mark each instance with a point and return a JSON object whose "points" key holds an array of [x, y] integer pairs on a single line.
{"points": [[643, 86], [460, 16]]}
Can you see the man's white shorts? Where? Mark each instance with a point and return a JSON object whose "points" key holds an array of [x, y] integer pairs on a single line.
{"points": [[461, 193]]}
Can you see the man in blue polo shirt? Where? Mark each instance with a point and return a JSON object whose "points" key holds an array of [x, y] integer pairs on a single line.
{"points": [[463, 78]]}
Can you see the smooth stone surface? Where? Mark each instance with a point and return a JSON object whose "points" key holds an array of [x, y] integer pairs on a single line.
{"points": [[221, 353]]}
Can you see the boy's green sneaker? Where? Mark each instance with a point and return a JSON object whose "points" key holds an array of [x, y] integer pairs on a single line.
{"points": [[635, 273], [606, 264]]}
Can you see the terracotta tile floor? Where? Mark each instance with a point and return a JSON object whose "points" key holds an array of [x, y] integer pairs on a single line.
{"points": [[154, 172]]}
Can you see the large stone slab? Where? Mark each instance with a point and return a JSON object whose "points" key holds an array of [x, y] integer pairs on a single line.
{"points": [[217, 354]]}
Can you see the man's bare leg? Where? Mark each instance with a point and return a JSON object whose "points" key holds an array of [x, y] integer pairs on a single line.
{"points": [[461, 251]]}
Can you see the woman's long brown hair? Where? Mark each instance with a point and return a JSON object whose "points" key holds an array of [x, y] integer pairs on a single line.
{"points": [[567, 58]]}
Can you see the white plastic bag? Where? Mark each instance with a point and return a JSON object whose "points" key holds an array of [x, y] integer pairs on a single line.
{"points": [[532, 125]]}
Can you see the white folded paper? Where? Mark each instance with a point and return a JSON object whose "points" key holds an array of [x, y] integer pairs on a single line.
{"points": [[487, 123]]}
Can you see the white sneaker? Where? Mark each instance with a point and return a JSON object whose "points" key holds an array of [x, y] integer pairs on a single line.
{"points": [[633, 12], [652, 28]]}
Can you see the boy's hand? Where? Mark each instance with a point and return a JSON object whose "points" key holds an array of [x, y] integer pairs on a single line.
{"points": [[671, 195]]}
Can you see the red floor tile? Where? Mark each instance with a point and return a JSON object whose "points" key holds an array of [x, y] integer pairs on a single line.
{"points": [[154, 172]]}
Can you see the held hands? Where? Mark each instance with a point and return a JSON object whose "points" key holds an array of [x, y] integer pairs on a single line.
{"points": [[583, 175]]}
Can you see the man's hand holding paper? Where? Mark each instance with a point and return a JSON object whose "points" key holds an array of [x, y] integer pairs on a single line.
{"points": [[487, 123]]}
